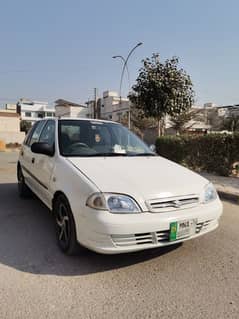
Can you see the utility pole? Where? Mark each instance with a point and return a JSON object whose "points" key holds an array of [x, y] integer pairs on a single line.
{"points": [[129, 118], [95, 115]]}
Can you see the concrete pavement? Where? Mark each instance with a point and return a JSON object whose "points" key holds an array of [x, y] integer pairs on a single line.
{"points": [[198, 279], [227, 187]]}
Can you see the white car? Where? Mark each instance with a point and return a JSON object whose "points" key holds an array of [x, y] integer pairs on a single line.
{"points": [[108, 191]]}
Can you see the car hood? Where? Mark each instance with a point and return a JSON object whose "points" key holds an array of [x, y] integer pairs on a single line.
{"points": [[145, 177]]}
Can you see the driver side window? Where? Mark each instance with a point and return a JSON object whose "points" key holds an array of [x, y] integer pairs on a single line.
{"points": [[48, 133], [35, 133]]}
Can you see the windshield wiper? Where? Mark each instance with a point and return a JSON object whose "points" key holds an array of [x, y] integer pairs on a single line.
{"points": [[107, 154], [143, 154], [121, 154], [110, 154]]}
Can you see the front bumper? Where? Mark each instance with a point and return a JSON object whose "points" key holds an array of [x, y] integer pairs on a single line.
{"points": [[108, 233]]}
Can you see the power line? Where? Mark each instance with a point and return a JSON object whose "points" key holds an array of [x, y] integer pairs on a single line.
{"points": [[39, 71]]}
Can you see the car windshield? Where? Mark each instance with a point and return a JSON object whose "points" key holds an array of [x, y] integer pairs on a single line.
{"points": [[95, 138]]}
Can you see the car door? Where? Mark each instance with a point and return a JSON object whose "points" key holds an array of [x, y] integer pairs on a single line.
{"points": [[26, 157], [43, 165]]}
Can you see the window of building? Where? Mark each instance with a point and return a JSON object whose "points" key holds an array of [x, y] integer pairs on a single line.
{"points": [[40, 115], [28, 114], [119, 116], [50, 114]]}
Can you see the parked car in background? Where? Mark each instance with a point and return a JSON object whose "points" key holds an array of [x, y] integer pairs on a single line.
{"points": [[108, 191]]}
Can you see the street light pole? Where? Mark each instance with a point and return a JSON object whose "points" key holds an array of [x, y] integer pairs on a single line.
{"points": [[125, 66], [127, 69]]}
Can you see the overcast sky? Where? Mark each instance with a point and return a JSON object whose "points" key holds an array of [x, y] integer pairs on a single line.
{"points": [[63, 49]]}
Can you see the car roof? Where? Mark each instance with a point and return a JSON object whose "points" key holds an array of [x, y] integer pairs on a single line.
{"points": [[85, 119]]}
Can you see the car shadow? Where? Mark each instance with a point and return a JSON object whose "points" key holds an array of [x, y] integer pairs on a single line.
{"points": [[28, 244]]}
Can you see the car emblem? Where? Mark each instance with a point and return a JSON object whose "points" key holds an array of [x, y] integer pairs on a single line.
{"points": [[176, 204]]}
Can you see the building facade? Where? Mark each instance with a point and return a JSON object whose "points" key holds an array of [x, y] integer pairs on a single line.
{"points": [[33, 111], [109, 107], [228, 110], [113, 107], [10, 127], [65, 108]]}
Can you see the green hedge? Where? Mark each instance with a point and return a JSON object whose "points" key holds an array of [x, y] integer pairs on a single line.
{"points": [[212, 153]]}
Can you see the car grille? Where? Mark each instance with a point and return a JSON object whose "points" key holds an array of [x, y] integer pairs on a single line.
{"points": [[134, 239], [203, 225], [153, 238], [169, 204]]}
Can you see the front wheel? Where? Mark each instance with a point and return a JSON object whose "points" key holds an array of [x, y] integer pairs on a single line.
{"points": [[23, 189], [65, 226]]}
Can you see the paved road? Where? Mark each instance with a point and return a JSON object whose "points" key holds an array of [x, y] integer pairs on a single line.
{"points": [[199, 279]]}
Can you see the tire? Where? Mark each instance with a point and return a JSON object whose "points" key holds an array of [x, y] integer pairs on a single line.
{"points": [[65, 227], [23, 190]]}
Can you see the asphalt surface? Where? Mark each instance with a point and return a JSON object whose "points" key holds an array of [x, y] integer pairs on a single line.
{"points": [[199, 279]]}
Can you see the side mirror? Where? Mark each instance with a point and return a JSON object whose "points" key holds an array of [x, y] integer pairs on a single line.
{"points": [[43, 148]]}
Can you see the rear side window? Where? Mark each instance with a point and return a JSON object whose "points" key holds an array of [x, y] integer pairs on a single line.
{"points": [[35, 133]]}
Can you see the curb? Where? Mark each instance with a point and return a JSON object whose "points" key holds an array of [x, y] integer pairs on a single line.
{"points": [[8, 150], [229, 197]]}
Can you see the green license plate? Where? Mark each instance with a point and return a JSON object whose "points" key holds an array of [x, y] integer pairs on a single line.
{"points": [[182, 229]]}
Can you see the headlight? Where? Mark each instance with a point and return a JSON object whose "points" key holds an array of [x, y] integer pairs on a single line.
{"points": [[209, 194], [114, 203]]}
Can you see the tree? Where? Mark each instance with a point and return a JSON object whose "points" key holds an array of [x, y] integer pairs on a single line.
{"points": [[185, 120], [162, 89], [139, 122], [25, 126]]}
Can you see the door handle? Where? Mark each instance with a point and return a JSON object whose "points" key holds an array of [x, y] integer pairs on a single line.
{"points": [[33, 160]]}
